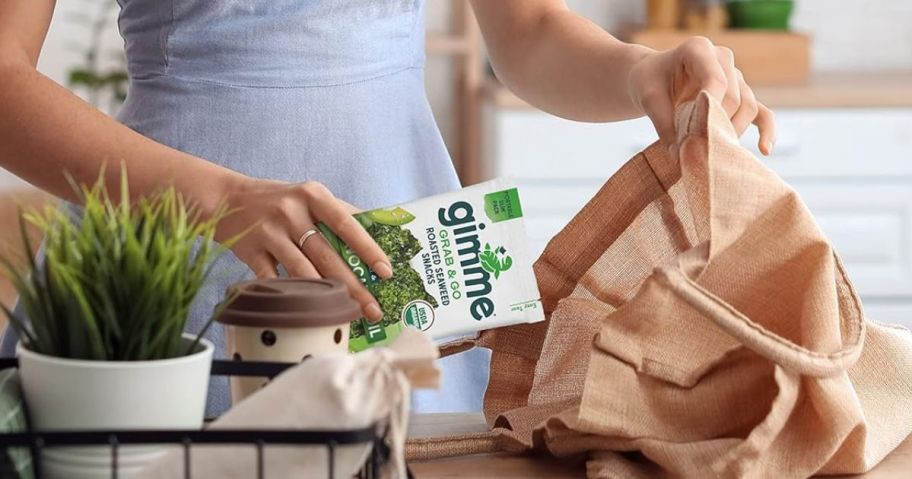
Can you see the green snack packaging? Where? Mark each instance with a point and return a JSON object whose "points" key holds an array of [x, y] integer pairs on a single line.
{"points": [[460, 265]]}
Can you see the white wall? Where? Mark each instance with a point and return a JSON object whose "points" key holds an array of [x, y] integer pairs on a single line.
{"points": [[69, 37], [855, 35]]}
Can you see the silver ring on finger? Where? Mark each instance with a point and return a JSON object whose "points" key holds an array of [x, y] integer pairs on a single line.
{"points": [[306, 236]]}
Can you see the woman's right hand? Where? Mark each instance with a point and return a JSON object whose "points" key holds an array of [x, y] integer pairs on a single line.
{"points": [[273, 216]]}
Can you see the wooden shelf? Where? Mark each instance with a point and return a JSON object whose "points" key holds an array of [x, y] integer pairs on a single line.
{"points": [[764, 57], [461, 46], [855, 90]]}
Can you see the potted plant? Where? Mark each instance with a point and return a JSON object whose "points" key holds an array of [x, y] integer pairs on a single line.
{"points": [[102, 342]]}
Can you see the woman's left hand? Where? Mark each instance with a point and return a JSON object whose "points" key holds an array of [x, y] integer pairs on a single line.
{"points": [[661, 80]]}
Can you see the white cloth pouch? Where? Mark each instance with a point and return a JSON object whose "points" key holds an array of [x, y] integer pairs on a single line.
{"points": [[332, 392]]}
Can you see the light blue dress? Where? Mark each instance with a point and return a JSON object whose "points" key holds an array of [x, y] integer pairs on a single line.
{"points": [[294, 90]]}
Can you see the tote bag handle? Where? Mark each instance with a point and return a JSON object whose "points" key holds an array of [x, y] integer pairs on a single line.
{"points": [[782, 351]]}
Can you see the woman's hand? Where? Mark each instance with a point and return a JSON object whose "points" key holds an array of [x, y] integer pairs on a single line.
{"points": [[274, 216], [660, 80]]}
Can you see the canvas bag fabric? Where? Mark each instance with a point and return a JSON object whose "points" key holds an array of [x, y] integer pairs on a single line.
{"points": [[700, 325]]}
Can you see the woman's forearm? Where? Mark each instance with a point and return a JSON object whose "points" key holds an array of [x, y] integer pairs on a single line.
{"points": [[566, 65], [46, 133], [559, 61]]}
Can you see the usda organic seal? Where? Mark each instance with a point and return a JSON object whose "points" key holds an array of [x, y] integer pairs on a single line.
{"points": [[418, 314]]}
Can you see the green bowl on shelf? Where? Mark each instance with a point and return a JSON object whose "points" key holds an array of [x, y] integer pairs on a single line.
{"points": [[760, 14]]}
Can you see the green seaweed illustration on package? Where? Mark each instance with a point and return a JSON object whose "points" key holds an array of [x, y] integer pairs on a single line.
{"points": [[406, 285], [495, 261], [444, 282]]}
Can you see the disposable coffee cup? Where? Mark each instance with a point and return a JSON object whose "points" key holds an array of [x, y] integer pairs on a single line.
{"points": [[285, 320]]}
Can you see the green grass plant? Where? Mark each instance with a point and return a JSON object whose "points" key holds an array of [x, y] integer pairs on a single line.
{"points": [[116, 283]]}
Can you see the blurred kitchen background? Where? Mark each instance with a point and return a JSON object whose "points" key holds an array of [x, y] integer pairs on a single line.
{"points": [[838, 73]]}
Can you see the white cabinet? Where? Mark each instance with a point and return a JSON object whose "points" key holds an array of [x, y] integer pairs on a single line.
{"points": [[852, 167], [869, 223]]}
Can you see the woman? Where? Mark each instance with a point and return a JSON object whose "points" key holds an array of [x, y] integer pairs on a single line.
{"points": [[290, 111]]}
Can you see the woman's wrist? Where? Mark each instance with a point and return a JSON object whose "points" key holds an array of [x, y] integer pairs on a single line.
{"points": [[211, 188], [634, 55]]}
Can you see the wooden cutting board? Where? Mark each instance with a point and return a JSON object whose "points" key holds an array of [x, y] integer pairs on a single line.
{"points": [[764, 57]]}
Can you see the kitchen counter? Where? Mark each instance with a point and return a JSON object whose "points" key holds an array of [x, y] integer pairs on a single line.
{"points": [[505, 466], [844, 90]]}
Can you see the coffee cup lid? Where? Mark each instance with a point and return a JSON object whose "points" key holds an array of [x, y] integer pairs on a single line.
{"points": [[289, 303]]}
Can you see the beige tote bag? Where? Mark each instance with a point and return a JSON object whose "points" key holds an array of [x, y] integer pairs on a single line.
{"points": [[700, 325]]}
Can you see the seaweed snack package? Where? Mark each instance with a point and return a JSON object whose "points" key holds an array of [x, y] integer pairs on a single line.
{"points": [[460, 265]]}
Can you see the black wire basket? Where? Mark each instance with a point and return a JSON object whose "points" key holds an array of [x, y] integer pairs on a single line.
{"points": [[375, 435]]}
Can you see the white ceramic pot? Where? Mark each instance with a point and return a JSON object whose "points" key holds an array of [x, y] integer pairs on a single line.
{"points": [[68, 394]]}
